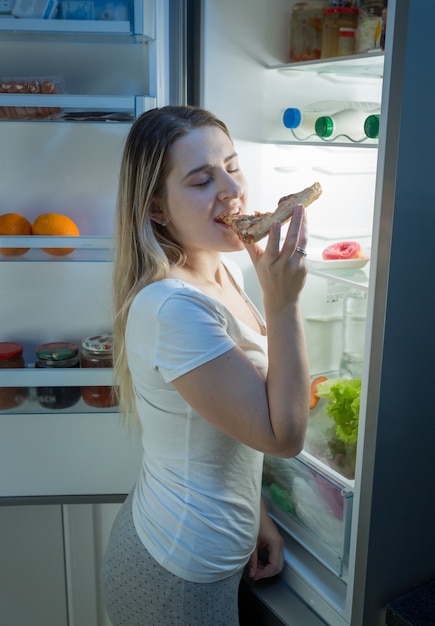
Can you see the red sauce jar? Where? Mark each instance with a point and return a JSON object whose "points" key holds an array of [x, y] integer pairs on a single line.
{"points": [[96, 351], [11, 357]]}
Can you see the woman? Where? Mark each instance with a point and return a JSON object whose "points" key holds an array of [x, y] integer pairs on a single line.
{"points": [[210, 390]]}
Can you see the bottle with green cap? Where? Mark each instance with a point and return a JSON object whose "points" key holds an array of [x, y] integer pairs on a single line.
{"points": [[348, 123], [371, 126], [301, 121]]}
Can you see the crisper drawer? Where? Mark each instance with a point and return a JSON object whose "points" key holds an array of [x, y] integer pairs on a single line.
{"points": [[311, 507]]}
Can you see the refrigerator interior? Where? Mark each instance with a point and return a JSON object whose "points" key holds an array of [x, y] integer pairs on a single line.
{"points": [[246, 80]]}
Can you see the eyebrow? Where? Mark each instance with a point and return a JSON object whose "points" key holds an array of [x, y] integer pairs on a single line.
{"points": [[208, 166]]}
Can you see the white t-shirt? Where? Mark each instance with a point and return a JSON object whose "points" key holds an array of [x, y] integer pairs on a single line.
{"points": [[196, 501]]}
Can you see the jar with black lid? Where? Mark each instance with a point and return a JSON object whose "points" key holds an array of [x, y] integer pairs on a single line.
{"points": [[57, 355], [96, 351], [11, 357]]}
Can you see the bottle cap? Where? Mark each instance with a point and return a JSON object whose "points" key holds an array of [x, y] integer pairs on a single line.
{"points": [[56, 351], [10, 349], [371, 126], [291, 118], [98, 343], [324, 126]]}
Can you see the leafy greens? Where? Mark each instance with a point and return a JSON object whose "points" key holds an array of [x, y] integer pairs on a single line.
{"points": [[343, 395]]}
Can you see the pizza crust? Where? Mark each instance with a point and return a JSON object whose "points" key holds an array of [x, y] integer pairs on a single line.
{"points": [[252, 228]]}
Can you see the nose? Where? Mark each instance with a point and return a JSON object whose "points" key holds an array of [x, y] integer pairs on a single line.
{"points": [[230, 188]]}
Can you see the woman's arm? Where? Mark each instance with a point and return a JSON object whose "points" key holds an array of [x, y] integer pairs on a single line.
{"points": [[268, 415]]}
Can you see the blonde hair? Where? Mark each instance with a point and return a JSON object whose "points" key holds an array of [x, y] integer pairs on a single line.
{"points": [[144, 249]]}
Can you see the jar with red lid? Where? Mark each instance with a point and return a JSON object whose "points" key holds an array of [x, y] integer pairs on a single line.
{"points": [[96, 351], [335, 18], [57, 355], [11, 357], [306, 30]]}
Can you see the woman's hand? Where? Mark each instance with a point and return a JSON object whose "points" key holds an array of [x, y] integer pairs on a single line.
{"points": [[270, 546], [282, 272]]}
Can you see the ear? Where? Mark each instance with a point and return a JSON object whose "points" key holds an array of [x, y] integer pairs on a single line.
{"points": [[155, 211]]}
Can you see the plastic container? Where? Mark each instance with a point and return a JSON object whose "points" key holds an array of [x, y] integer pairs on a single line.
{"points": [[369, 27], [57, 355], [335, 18], [315, 510], [306, 30], [96, 351], [354, 325], [11, 357], [348, 123]]}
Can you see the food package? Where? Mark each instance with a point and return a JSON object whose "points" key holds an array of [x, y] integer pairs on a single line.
{"points": [[30, 86], [40, 9]]}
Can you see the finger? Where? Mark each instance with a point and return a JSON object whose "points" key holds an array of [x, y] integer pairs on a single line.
{"points": [[272, 247], [252, 567]]}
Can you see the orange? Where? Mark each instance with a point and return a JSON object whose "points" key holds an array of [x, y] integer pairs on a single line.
{"points": [[14, 224], [58, 225]]}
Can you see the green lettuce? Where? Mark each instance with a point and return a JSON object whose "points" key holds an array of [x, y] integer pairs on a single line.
{"points": [[343, 396]]}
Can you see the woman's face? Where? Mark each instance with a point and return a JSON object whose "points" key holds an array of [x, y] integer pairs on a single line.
{"points": [[205, 181]]}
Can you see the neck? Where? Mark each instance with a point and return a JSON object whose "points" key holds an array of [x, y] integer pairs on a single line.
{"points": [[203, 269]]}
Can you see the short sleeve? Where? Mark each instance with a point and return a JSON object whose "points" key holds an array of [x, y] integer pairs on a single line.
{"points": [[190, 332]]}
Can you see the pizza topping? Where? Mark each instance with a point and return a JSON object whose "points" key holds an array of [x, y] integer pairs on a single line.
{"points": [[252, 228]]}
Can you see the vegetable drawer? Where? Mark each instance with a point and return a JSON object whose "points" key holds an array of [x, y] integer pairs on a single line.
{"points": [[314, 509]]}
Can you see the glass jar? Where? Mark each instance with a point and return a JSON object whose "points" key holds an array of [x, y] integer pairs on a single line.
{"points": [[335, 18], [11, 357], [306, 30], [369, 29], [97, 352], [57, 355]]}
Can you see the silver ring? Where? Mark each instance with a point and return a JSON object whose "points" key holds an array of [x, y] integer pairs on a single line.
{"points": [[301, 251]]}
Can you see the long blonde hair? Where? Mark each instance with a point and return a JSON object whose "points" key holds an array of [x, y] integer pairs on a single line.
{"points": [[144, 249]]}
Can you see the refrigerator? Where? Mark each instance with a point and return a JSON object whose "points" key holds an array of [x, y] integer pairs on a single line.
{"points": [[356, 538]]}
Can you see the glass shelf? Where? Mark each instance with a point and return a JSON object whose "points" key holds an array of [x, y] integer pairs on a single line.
{"points": [[85, 248], [67, 377], [362, 65], [352, 278], [72, 108], [112, 19]]}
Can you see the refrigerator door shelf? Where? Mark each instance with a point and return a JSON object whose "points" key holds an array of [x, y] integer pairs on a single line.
{"points": [[69, 377], [311, 507], [129, 18], [85, 248], [65, 107], [59, 455]]}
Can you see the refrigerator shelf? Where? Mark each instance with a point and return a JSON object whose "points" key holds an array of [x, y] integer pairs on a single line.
{"points": [[140, 26], [66, 377], [352, 278], [31, 406], [66, 107], [85, 248], [369, 65]]}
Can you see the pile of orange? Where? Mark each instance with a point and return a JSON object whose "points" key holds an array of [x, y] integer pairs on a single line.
{"points": [[47, 224], [55, 224], [14, 224]]}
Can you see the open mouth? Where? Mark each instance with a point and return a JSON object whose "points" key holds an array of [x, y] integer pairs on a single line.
{"points": [[222, 218]]}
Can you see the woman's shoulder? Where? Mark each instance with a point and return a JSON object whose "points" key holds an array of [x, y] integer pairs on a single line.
{"points": [[156, 294]]}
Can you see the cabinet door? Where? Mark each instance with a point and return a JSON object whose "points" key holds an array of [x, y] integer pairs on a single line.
{"points": [[32, 567]]}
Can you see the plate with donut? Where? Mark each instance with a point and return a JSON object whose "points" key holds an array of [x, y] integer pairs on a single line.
{"points": [[340, 255]]}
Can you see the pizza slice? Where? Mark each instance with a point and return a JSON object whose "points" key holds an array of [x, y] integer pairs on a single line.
{"points": [[252, 228]]}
